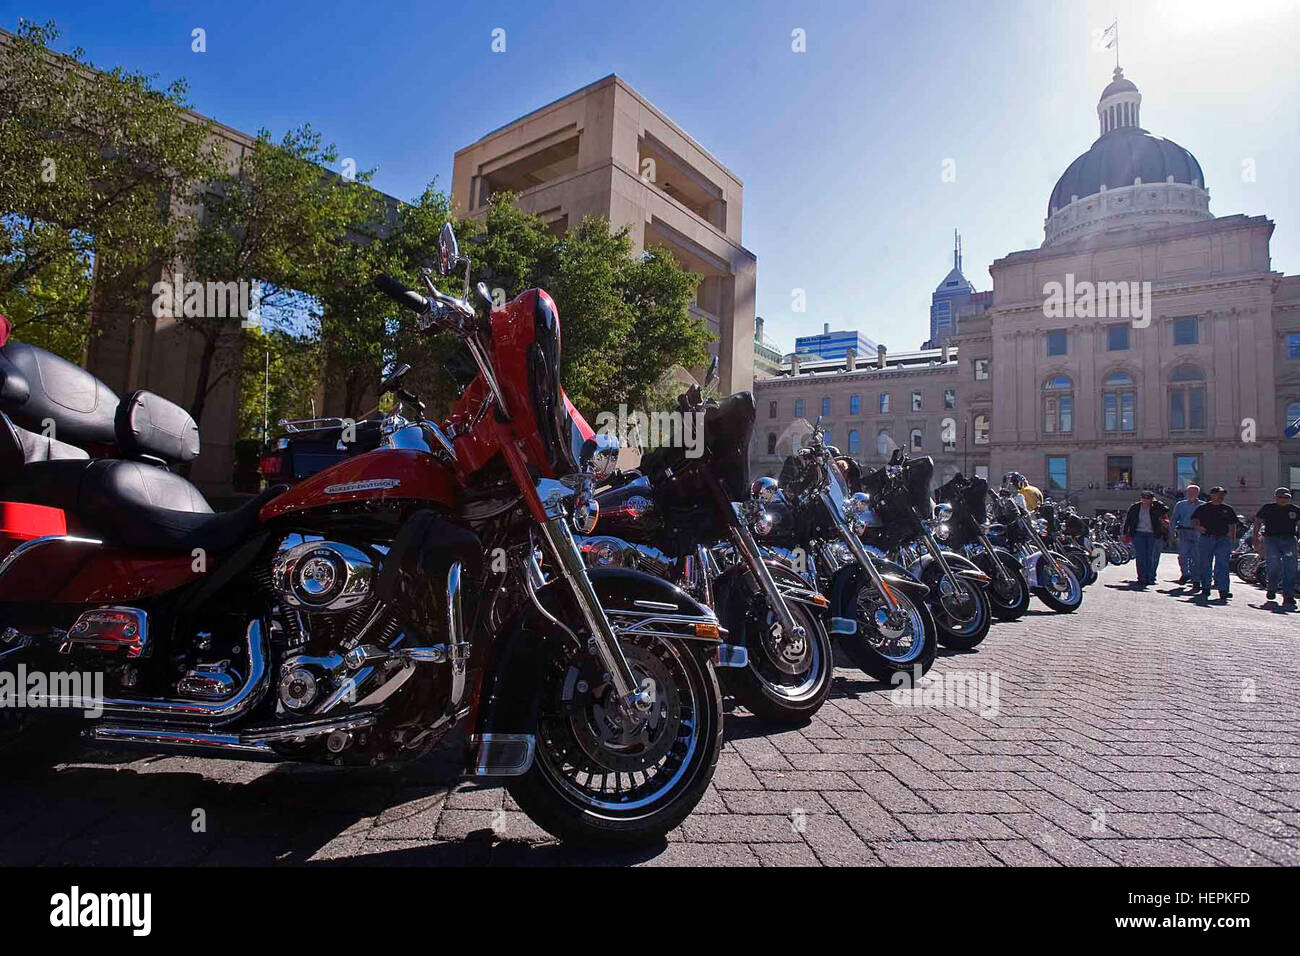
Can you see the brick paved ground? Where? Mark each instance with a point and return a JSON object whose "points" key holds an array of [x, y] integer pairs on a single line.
{"points": [[1142, 730]]}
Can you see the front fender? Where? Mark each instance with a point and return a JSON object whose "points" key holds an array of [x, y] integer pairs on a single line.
{"points": [[961, 565], [508, 703], [847, 581], [732, 592]]}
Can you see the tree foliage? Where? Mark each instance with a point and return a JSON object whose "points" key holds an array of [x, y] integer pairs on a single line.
{"points": [[90, 163]]}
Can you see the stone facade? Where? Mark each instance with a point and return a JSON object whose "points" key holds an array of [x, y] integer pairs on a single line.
{"points": [[919, 401]]}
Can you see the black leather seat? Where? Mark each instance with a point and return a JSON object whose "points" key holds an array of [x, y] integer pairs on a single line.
{"points": [[137, 505], [130, 503]]}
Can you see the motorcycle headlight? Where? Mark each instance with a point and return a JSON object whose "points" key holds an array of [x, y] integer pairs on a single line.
{"points": [[764, 522]]}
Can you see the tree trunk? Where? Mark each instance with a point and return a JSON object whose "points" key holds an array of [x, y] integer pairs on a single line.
{"points": [[206, 358]]}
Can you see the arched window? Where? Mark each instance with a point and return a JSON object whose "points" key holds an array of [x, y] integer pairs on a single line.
{"points": [[1058, 406], [798, 408], [981, 430], [855, 441], [826, 405], [1292, 413], [1118, 403], [771, 443], [884, 443], [916, 439], [1187, 399]]}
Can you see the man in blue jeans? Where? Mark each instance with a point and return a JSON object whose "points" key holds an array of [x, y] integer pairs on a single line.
{"points": [[1189, 541], [1218, 526], [1146, 525], [1280, 520]]}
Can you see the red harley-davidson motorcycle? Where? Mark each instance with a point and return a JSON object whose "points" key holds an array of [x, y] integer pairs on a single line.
{"points": [[360, 615]]}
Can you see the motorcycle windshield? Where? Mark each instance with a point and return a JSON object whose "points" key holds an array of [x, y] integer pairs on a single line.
{"points": [[920, 471]]}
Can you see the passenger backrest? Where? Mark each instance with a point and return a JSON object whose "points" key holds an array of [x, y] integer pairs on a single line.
{"points": [[149, 425], [36, 386]]}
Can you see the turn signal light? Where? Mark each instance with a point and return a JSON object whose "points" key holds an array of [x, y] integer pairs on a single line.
{"points": [[706, 630]]}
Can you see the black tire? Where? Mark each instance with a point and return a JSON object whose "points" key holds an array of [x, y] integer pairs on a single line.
{"points": [[687, 683], [874, 651], [1049, 595], [783, 684], [954, 634], [1005, 608]]}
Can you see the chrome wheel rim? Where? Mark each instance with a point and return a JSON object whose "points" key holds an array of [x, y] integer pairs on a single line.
{"points": [[790, 669], [602, 763], [900, 640]]}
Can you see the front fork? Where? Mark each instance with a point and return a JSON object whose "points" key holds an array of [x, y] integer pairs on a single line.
{"points": [[636, 698], [748, 548], [999, 571], [854, 543], [1038, 543]]}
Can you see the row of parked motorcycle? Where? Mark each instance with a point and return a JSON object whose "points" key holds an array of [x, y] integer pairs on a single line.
{"points": [[494, 571]]}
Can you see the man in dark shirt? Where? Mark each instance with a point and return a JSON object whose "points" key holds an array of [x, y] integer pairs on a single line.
{"points": [[1279, 520], [1218, 526]]}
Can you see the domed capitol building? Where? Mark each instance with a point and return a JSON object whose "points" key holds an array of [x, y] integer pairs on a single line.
{"points": [[1145, 343]]}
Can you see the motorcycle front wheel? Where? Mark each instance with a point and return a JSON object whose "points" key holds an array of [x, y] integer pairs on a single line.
{"points": [[788, 679], [601, 777], [885, 646], [1008, 600], [1062, 594], [965, 631]]}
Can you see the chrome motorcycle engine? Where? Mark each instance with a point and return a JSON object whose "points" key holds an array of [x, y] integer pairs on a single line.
{"points": [[321, 576], [327, 606]]}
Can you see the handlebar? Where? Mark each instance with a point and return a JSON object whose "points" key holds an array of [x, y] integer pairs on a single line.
{"points": [[401, 294]]}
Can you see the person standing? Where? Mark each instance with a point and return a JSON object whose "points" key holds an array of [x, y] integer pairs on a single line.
{"points": [[1146, 525], [1189, 539], [1217, 524], [1280, 520]]}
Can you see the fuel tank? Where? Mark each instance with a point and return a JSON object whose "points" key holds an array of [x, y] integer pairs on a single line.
{"points": [[383, 474], [629, 512]]}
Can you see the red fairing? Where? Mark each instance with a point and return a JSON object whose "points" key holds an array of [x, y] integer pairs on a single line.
{"points": [[383, 474]]}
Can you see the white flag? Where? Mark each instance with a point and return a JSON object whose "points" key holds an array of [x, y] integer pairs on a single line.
{"points": [[1111, 35]]}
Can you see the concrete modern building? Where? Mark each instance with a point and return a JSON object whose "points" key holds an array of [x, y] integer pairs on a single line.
{"points": [[1146, 343], [767, 357], [604, 150], [833, 345]]}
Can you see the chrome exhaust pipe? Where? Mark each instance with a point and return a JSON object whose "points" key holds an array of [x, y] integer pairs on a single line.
{"points": [[210, 713], [253, 740]]}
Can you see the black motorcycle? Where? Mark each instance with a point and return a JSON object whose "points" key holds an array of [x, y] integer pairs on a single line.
{"points": [[669, 517], [1050, 575], [1054, 538], [966, 532], [813, 521], [903, 527]]}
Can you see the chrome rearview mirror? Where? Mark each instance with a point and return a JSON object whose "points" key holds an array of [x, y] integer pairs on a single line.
{"points": [[600, 455], [448, 250], [764, 490]]}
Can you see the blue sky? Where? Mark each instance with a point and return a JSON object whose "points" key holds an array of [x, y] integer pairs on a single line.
{"points": [[840, 148]]}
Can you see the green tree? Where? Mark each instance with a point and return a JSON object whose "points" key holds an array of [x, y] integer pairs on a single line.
{"points": [[91, 164], [280, 220], [624, 318], [279, 377]]}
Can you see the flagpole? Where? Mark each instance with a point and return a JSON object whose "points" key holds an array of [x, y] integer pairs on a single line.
{"points": [[1117, 43]]}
